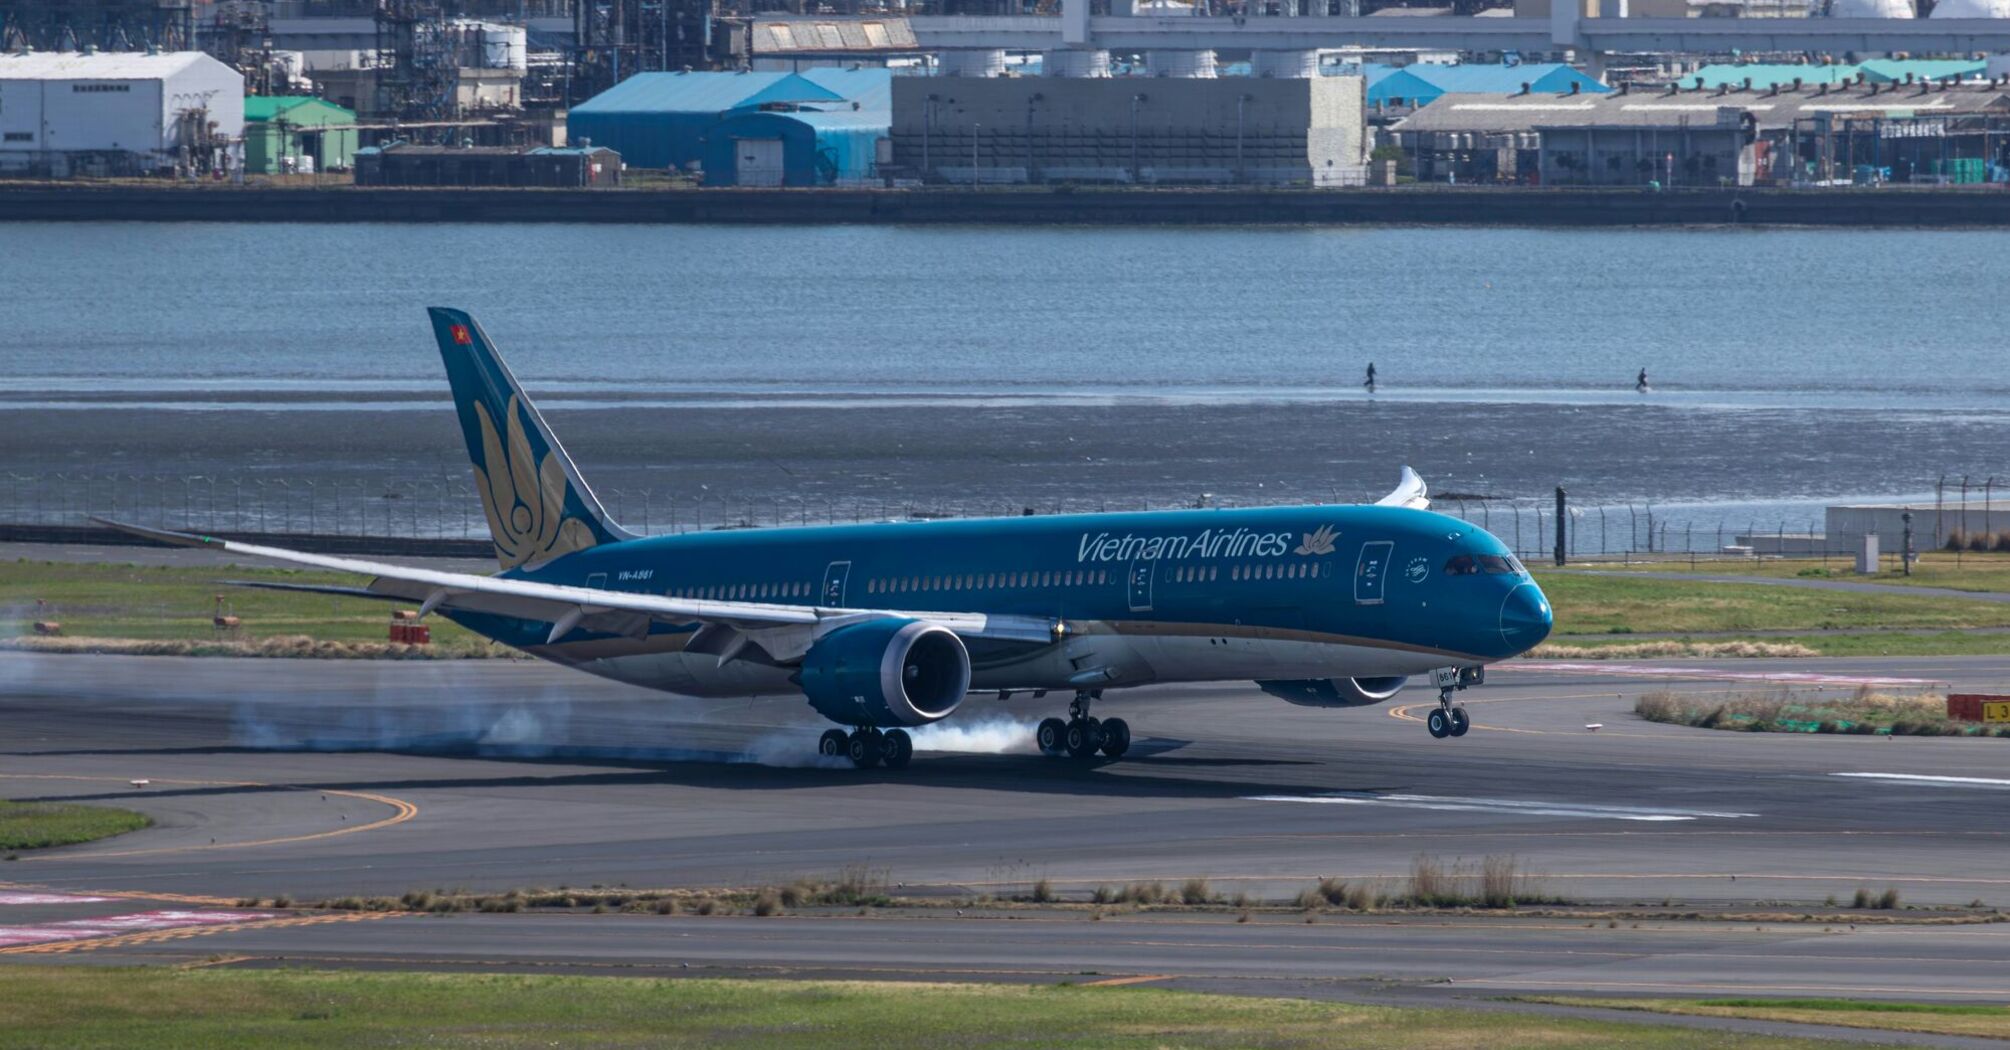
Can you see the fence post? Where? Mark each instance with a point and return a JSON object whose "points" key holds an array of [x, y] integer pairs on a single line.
{"points": [[1562, 542]]}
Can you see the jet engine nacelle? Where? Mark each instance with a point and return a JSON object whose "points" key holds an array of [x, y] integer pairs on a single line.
{"points": [[1335, 692], [887, 672]]}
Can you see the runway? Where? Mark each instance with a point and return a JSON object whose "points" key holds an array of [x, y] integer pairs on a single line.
{"points": [[326, 779]]}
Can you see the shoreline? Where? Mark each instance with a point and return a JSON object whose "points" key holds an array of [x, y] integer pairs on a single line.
{"points": [[1427, 206]]}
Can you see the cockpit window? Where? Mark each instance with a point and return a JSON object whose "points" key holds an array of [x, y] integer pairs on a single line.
{"points": [[1462, 565], [1495, 565]]}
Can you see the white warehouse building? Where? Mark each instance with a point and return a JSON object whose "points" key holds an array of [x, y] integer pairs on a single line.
{"points": [[118, 113]]}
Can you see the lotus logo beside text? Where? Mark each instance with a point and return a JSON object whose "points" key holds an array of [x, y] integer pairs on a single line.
{"points": [[1319, 541]]}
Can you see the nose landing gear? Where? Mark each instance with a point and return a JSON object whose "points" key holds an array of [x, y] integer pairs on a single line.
{"points": [[1082, 737], [1450, 720]]}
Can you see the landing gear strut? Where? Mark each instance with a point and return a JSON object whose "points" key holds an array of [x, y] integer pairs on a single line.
{"points": [[1081, 736], [868, 747], [1450, 720]]}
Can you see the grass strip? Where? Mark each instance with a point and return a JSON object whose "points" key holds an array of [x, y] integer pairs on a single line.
{"points": [[1961, 1019], [1620, 604], [217, 1009], [39, 825], [1864, 712]]}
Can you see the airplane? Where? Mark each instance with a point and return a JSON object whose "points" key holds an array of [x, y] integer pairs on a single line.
{"points": [[884, 627]]}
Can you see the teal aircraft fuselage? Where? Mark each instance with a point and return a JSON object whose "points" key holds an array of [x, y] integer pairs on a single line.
{"points": [[1283, 593]]}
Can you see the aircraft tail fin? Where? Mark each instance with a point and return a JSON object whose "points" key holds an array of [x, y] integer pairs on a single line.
{"points": [[538, 506]]}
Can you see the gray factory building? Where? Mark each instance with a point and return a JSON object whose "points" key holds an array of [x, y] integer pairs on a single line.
{"points": [[1168, 130], [1862, 132]]}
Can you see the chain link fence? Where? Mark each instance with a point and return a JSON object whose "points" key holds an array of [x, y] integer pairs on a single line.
{"points": [[447, 507]]}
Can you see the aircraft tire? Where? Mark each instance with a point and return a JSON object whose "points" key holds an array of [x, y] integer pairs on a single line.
{"points": [[1460, 721], [1051, 736], [863, 748], [1439, 725], [833, 744], [1084, 736], [898, 750], [1116, 737]]}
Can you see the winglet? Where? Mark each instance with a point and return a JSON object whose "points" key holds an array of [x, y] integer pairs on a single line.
{"points": [[1410, 492]]}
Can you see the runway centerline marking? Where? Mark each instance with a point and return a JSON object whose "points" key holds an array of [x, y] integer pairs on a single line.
{"points": [[402, 811], [1504, 806], [1929, 779]]}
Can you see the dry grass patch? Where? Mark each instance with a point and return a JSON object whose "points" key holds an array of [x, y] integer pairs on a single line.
{"points": [[1863, 712]]}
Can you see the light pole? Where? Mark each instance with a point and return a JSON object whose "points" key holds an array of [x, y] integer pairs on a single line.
{"points": [[1030, 176], [974, 129], [1240, 174], [927, 125], [1137, 174]]}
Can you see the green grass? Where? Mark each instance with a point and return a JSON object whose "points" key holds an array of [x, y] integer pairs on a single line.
{"points": [[51, 1007], [1933, 1018], [38, 825], [177, 603], [1586, 604], [1874, 643], [160, 602], [1972, 571]]}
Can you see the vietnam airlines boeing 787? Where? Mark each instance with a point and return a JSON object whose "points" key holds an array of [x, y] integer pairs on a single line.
{"points": [[884, 627]]}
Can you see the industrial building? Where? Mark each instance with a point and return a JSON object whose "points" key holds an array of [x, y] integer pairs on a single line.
{"points": [[1860, 132], [1402, 88], [406, 164], [663, 120], [118, 113], [296, 133], [1272, 130]]}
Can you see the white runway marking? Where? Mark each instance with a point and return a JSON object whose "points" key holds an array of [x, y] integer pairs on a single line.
{"points": [[113, 925], [1504, 806], [1923, 778], [13, 897], [1626, 670]]}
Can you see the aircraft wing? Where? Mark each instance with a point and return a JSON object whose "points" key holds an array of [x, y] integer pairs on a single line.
{"points": [[1410, 492], [784, 632]]}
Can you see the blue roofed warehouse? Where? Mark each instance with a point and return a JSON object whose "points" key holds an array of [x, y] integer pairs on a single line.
{"points": [[663, 120]]}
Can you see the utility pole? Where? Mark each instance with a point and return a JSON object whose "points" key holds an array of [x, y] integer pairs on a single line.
{"points": [[1905, 552]]}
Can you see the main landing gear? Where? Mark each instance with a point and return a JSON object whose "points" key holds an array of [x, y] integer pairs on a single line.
{"points": [[1450, 720], [1082, 737], [868, 747]]}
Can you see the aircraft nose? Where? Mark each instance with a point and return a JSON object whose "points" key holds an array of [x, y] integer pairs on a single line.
{"points": [[1525, 617]]}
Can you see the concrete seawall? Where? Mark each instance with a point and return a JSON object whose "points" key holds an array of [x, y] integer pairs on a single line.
{"points": [[1430, 206]]}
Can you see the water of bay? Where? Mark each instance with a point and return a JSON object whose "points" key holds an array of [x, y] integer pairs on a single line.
{"points": [[1858, 363]]}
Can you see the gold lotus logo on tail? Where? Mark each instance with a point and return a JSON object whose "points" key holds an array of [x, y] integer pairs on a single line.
{"points": [[524, 500], [1318, 542]]}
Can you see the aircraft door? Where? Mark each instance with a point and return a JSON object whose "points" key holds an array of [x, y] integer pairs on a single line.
{"points": [[1142, 571], [1372, 571], [834, 581]]}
